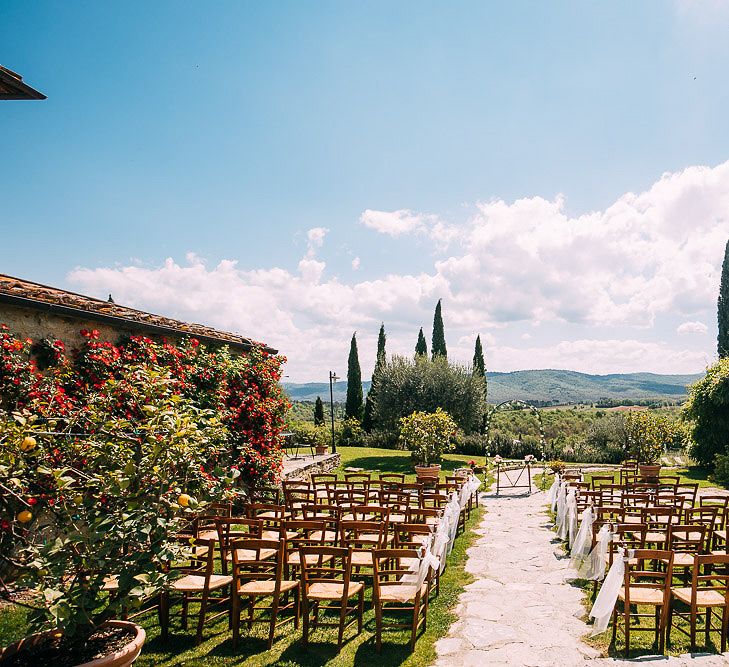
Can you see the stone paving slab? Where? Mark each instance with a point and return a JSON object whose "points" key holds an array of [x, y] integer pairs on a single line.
{"points": [[520, 610]]}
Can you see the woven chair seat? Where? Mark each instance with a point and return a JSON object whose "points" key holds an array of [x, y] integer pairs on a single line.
{"points": [[398, 518], [266, 587], [704, 597], [402, 592], [329, 536], [207, 535], [333, 590], [720, 534], [191, 583], [655, 537], [683, 560], [312, 559], [640, 595], [362, 559], [248, 555], [275, 535]]}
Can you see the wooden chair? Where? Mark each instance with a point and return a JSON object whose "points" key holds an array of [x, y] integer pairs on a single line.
{"points": [[426, 515], [598, 480], [320, 481], [196, 583], [392, 477], [362, 537], [647, 582], [708, 591], [326, 584], [391, 593], [271, 518], [658, 520], [416, 536], [688, 491], [261, 577], [330, 515], [303, 533], [266, 494], [230, 528], [686, 541]]}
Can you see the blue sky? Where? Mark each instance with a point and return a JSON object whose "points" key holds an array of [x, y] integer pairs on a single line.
{"points": [[231, 132]]}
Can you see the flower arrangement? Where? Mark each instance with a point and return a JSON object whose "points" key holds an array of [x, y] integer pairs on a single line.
{"points": [[497, 459], [557, 466], [529, 458]]}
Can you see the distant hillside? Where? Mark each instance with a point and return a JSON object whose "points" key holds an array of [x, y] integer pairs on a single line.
{"points": [[544, 385]]}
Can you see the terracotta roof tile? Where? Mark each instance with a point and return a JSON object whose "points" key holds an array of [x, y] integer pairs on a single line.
{"points": [[34, 295]]}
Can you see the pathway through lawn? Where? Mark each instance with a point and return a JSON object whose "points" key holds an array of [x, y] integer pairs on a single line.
{"points": [[521, 611]]}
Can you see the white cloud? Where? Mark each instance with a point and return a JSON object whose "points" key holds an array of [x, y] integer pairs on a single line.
{"points": [[692, 328], [602, 279], [393, 223]]}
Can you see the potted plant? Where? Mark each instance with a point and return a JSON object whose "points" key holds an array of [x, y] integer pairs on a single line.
{"points": [[427, 435], [647, 435], [97, 496]]}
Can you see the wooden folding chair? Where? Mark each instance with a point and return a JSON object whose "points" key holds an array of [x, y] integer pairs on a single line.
{"points": [[708, 591], [647, 582], [326, 581], [391, 593], [262, 577]]}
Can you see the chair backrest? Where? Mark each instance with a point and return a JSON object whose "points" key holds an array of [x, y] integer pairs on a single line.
{"points": [[258, 564], [324, 564], [396, 501], [348, 497], [636, 499], [627, 535], [426, 515], [715, 569], [357, 477], [392, 477], [412, 535], [598, 480], [229, 528], [721, 502], [321, 479], [687, 538], [434, 499], [304, 533], [649, 568], [198, 557], [689, 491], [362, 535], [658, 518], [296, 497], [391, 565], [706, 514]]}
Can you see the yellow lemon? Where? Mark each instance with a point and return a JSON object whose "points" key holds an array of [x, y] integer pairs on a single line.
{"points": [[24, 516], [27, 444], [184, 500]]}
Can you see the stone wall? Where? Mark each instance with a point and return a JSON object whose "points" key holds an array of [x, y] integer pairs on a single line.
{"points": [[304, 468]]}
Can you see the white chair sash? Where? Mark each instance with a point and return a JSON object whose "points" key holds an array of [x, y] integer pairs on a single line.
{"points": [[571, 517], [552, 494], [561, 508], [608, 595], [583, 541], [593, 567]]}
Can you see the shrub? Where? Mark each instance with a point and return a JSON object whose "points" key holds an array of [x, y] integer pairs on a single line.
{"points": [[308, 434], [649, 435], [105, 497], [473, 444], [721, 470], [606, 441], [350, 433], [427, 435], [410, 385], [707, 414]]}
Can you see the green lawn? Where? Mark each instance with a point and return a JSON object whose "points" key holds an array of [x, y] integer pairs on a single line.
{"points": [[394, 460], [288, 650]]}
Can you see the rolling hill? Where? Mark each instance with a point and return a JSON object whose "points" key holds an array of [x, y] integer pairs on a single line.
{"points": [[544, 385]]}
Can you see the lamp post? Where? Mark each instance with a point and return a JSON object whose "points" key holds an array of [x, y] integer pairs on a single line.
{"points": [[332, 379]]}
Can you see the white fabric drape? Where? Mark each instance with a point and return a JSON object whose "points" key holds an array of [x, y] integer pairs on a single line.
{"points": [[607, 597], [561, 508], [413, 581], [571, 521], [593, 567], [552, 494], [583, 541]]}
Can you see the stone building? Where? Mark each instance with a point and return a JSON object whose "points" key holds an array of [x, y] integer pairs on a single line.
{"points": [[36, 311]]}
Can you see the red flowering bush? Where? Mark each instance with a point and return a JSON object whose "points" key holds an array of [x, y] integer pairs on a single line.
{"points": [[96, 448]]}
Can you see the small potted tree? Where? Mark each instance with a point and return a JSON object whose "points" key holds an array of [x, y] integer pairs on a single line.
{"points": [[647, 436], [427, 435], [80, 511]]}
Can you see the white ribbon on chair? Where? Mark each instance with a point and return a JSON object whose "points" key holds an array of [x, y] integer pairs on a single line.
{"points": [[608, 595], [571, 517], [561, 507], [583, 542], [593, 567], [413, 580], [552, 495]]}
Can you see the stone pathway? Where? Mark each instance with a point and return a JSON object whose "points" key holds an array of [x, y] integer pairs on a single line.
{"points": [[521, 611]]}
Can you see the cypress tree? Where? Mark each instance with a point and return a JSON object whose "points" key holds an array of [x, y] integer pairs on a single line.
{"points": [[438, 346], [318, 412], [353, 407], [723, 308], [368, 419], [479, 366], [421, 348]]}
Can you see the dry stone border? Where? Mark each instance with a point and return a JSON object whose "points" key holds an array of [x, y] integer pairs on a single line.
{"points": [[521, 610]]}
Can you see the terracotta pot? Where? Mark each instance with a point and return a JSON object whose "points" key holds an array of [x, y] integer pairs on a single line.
{"points": [[649, 471], [427, 472], [121, 658], [321, 450]]}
